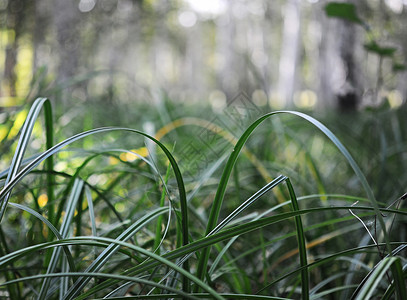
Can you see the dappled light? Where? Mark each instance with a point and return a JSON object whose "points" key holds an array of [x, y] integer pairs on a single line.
{"points": [[212, 149]]}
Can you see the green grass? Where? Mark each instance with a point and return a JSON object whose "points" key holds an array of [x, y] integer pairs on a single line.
{"points": [[285, 211]]}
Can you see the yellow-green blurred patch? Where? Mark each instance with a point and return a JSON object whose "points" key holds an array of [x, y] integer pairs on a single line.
{"points": [[129, 156], [42, 200]]}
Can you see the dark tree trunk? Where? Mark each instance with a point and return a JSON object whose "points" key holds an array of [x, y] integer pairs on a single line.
{"points": [[350, 93], [340, 74], [16, 13]]}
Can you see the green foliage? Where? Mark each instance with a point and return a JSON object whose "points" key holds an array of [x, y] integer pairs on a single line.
{"points": [[344, 11], [397, 67], [120, 218], [347, 11], [381, 51]]}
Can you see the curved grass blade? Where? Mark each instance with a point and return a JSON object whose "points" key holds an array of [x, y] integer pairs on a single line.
{"points": [[22, 146], [49, 163], [159, 259], [98, 263], [239, 210], [243, 206], [248, 203], [390, 290], [217, 203], [369, 287], [323, 294], [181, 187], [363, 282], [200, 296], [66, 275], [157, 239], [108, 152], [228, 233], [226, 135], [399, 279], [65, 227], [51, 227], [325, 282], [154, 248], [354, 166], [327, 259], [354, 266], [301, 244], [56, 148], [91, 210]]}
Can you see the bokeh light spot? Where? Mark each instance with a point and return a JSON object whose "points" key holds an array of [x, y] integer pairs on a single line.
{"points": [[86, 5]]}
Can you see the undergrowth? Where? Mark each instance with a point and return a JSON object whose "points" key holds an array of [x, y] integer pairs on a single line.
{"points": [[284, 211]]}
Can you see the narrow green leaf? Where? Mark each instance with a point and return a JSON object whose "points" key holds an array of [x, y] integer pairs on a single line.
{"points": [[37, 160], [51, 227], [217, 203], [240, 209], [65, 227], [399, 280], [375, 278], [49, 163], [91, 210], [103, 258], [200, 296], [231, 232], [66, 275], [397, 67], [379, 50], [21, 148], [344, 11], [301, 244], [158, 239]]}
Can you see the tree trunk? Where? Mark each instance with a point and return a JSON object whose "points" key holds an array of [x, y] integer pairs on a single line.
{"points": [[340, 74], [16, 13], [66, 22], [289, 52]]}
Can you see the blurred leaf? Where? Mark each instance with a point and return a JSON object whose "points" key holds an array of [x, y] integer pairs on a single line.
{"points": [[345, 11], [397, 67], [382, 51]]}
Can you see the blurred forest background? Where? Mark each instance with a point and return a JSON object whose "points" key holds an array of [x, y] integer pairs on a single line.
{"points": [[291, 53], [176, 70]]}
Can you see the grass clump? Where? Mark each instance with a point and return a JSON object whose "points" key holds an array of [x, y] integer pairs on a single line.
{"points": [[115, 212]]}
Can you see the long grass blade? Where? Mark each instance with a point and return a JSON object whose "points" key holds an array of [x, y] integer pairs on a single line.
{"points": [[22, 146], [200, 296], [375, 278], [159, 259], [36, 161], [229, 233], [243, 206], [395, 252], [49, 163], [301, 244], [217, 203], [237, 211], [67, 275], [65, 227], [91, 210], [98, 263], [51, 227]]}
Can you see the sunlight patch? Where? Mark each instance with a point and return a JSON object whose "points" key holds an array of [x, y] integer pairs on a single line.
{"points": [[395, 99], [305, 99], [42, 200]]}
